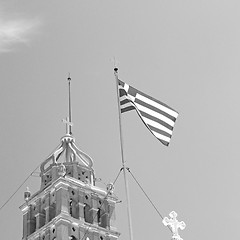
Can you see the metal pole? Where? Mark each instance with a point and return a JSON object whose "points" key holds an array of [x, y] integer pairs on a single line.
{"points": [[69, 104], [123, 161]]}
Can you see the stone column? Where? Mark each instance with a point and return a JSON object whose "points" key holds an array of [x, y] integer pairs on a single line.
{"points": [[62, 231], [62, 199], [31, 226], [81, 205], [25, 225], [95, 235], [94, 213], [39, 220], [47, 214], [47, 234], [94, 209], [81, 211], [112, 217]]}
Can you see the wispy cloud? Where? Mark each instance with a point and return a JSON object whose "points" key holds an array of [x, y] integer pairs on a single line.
{"points": [[16, 31]]}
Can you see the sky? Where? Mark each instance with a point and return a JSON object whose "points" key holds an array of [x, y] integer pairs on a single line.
{"points": [[184, 53]]}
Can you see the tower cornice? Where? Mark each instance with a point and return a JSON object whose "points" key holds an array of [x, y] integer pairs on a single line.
{"points": [[67, 182], [62, 219]]}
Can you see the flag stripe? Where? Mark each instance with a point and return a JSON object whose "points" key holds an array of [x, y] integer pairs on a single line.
{"points": [[145, 104], [161, 137], [126, 109], [157, 125], [164, 139], [155, 114], [156, 101], [157, 120], [124, 101], [127, 105], [161, 107], [157, 130], [163, 142]]}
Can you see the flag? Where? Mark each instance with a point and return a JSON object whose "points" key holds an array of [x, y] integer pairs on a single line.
{"points": [[158, 117]]}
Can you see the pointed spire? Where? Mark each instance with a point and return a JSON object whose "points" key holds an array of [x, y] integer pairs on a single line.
{"points": [[69, 104]]}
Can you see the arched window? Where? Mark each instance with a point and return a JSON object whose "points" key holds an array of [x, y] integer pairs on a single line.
{"points": [[52, 211], [42, 218], [32, 222], [87, 214], [102, 218], [32, 225], [71, 206], [99, 216]]}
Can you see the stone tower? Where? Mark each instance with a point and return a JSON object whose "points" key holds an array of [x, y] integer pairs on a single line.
{"points": [[69, 206]]}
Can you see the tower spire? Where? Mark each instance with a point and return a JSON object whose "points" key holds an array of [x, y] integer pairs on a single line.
{"points": [[69, 104]]}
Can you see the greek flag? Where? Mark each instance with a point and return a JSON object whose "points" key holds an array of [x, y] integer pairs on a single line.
{"points": [[157, 116]]}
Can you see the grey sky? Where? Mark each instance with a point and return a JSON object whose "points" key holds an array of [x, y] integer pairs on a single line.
{"points": [[184, 53]]}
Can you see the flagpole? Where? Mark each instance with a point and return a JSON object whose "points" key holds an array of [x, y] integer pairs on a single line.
{"points": [[123, 161]]}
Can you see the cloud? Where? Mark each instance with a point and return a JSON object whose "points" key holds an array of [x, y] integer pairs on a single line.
{"points": [[16, 31]]}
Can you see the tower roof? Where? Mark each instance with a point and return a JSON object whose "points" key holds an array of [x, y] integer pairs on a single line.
{"points": [[71, 151]]}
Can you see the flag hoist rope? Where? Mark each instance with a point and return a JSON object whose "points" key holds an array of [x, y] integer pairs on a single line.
{"points": [[123, 161]]}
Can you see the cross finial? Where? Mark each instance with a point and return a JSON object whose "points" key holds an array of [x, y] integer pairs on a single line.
{"points": [[68, 125], [115, 66], [174, 224], [115, 63]]}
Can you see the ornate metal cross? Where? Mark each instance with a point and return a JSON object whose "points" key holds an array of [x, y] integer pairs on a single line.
{"points": [[68, 124], [174, 224]]}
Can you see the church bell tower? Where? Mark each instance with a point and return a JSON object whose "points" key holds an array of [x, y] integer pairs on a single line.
{"points": [[69, 206]]}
